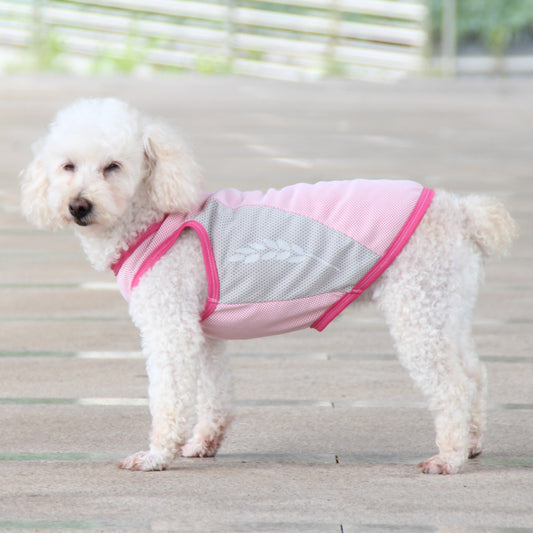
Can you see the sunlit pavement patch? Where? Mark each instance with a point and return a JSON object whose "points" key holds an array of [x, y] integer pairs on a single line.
{"points": [[312, 356], [253, 402]]}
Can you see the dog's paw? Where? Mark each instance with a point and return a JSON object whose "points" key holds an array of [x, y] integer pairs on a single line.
{"points": [[438, 465], [145, 461], [475, 448], [201, 447], [474, 452]]}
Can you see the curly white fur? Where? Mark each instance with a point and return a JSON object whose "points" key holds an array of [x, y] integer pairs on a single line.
{"points": [[111, 173]]}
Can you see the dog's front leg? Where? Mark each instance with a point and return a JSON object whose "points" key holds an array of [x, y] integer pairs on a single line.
{"points": [[172, 346], [214, 402]]}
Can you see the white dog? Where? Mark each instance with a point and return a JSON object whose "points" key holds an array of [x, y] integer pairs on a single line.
{"points": [[116, 176]]}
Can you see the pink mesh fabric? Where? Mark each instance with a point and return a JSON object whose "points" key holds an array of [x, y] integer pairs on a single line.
{"points": [[245, 321]]}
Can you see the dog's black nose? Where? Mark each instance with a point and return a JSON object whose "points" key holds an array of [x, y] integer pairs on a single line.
{"points": [[80, 209]]}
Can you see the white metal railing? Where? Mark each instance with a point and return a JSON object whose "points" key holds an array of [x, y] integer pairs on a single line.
{"points": [[296, 39]]}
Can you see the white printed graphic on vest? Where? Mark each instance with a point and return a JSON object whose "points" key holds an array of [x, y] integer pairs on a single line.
{"points": [[274, 250]]}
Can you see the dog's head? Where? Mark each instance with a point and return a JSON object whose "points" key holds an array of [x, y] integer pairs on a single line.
{"points": [[96, 156]]}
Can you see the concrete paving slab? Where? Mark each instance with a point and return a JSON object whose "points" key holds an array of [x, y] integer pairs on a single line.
{"points": [[65, 302], [265, 496], [67, 336], [328, 428]]}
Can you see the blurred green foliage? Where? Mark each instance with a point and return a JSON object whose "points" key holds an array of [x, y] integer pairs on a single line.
{"points": [[496, 24]]}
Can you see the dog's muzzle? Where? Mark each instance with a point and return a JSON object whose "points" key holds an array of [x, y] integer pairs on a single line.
{"points": [[81, 210]]}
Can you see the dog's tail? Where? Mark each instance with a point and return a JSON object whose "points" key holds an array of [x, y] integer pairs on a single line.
{"points": [[490, 225]]}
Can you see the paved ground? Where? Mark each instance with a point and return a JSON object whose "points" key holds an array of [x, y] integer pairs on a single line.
{"points": [[329, 428]]}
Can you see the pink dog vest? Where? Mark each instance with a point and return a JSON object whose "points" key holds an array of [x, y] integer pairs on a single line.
{"points": [[289, 259]]}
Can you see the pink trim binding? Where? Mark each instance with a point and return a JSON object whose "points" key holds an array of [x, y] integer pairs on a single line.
{"points": [[115, 267], [375, 272], [213, 286]]}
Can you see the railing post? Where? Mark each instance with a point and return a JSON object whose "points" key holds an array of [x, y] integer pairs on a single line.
{"points": [[37, 34], [449, 37], [229, 51], [427, 50], [331, 66]]}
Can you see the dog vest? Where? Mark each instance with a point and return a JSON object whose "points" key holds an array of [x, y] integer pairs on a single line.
{"points": [[285, 259]]}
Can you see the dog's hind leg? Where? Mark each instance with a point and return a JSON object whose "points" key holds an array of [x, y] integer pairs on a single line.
{"points": [[427, 296], [214, 402], [476, 371], [431, 354], [437, 371]]}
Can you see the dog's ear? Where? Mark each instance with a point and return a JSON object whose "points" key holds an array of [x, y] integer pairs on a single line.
{"points": [[34, 201], [174, 181]]}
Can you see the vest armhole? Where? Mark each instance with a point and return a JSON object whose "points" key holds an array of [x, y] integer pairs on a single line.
{"points": [[213, 285], [211, 271]]}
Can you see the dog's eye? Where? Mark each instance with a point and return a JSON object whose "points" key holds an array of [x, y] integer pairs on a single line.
{"points": [[112, 167], [69, 167]]}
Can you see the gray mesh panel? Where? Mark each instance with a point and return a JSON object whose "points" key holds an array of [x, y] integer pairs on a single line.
{"points": [[265, 254]]}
